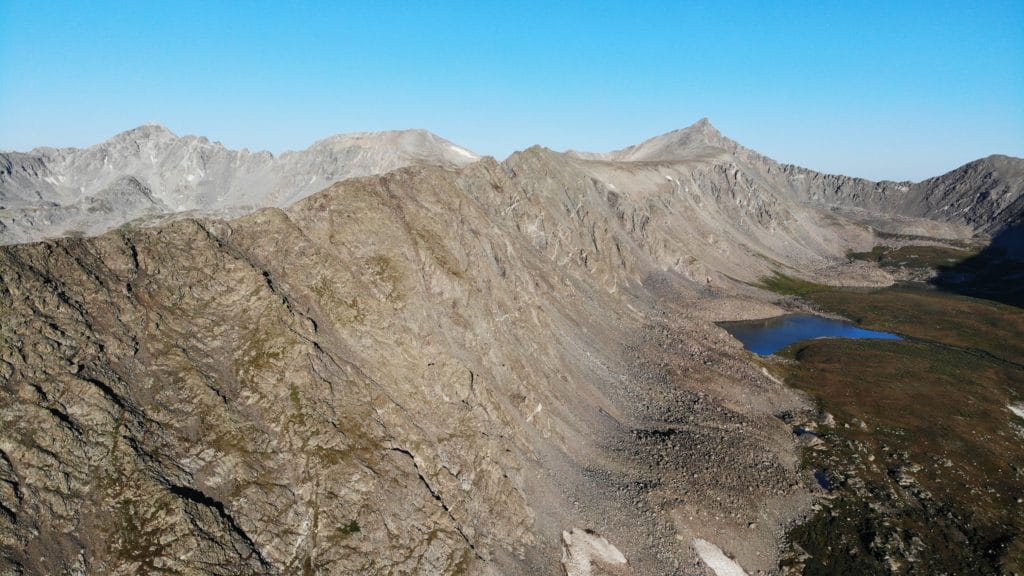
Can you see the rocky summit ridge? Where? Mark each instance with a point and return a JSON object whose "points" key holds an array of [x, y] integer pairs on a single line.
{"points": [[459, 366], [686, 143], [149, 171]]}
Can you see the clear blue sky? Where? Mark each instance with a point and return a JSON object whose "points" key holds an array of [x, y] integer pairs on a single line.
{"points": [[881, 89]]}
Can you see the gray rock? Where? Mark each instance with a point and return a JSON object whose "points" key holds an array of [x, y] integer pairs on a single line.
{"points": [[52, 192]]}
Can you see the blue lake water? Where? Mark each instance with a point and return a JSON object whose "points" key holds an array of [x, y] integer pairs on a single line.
{"points": [[768, 336]]}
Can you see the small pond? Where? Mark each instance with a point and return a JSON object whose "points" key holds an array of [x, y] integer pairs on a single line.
{"points": [[768, 336]]}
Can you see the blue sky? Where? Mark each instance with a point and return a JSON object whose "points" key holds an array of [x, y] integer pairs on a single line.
{"points": [[875, 89]]}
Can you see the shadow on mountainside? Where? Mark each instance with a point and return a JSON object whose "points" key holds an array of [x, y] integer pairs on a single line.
{"points": [[995, 273]]}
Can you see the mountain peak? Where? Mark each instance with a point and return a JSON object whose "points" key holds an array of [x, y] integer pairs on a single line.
{"points": [[696, 140], [414, 143], [383, 137], [702, 127], [145, 132], [700, 132], [702, 124]]}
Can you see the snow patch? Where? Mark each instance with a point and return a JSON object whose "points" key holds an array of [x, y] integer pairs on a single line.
{"points": [[462, 152], [535, 412], [719, 563], [1017, 409], [770, 377], [582, 547]]}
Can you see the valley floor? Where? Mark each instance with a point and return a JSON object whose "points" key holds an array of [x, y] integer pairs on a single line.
{"points": [[922, 451]]}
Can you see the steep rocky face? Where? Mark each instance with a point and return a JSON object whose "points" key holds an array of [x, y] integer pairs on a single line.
{"points": [[984, 196], [987, 195], [50, 192], [709, 219]]}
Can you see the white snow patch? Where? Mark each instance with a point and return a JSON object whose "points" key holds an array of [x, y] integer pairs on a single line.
{"points": [[462, 152], [582, 547], [719, 563], [1017, 409], [770, 377], [535, 412]]}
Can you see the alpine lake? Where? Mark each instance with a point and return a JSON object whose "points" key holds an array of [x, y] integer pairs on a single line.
{"points": [[765, 337]]}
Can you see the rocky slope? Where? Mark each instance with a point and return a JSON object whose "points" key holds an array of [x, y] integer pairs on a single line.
{"points": [[150, 171], [507, 368], [985, 196]]}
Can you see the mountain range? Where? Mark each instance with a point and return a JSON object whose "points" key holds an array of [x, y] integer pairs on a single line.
{"points": [[387, 355], [149, 171]]}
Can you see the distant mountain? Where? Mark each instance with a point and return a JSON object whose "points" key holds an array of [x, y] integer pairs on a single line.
{"points": [[700, 139], [52, 192]]}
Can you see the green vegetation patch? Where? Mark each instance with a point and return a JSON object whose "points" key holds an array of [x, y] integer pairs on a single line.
{"points": [[789, 286], [435, 246], [960, 267], [961, 321], [929, 257], [348, 529]]}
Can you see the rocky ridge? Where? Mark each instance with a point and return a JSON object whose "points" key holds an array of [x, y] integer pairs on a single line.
{"points": [[984, 196], [149, 171]]}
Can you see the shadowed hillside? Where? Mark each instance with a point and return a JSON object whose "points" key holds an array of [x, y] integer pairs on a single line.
{"points": [[995, 273]]}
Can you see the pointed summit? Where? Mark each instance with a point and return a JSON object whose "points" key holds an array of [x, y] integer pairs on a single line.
{"points": [[702, 124], [705, 128], [698, 139]]}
